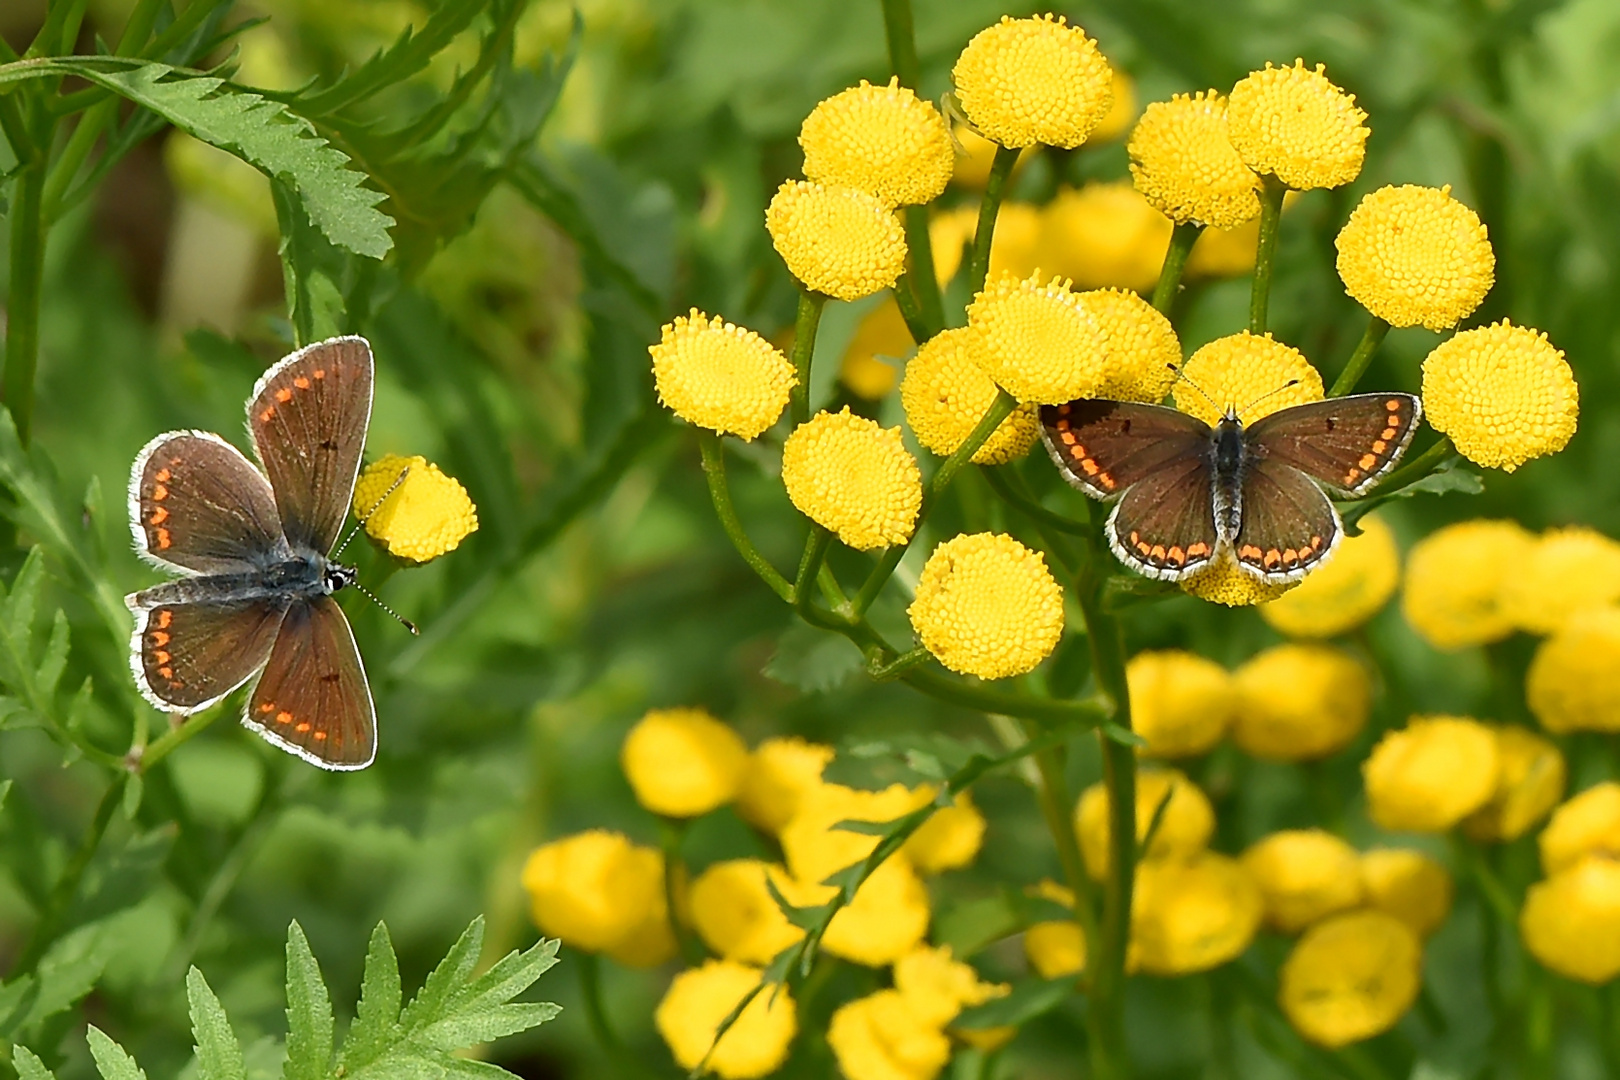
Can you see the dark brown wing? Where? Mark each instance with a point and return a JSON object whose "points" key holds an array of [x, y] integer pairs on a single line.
{"points": [[1164, 527], [186, 656], [1344, 443], [1103, 447], [313, 699], [1289, 526], [308, 418], [196, 503]]}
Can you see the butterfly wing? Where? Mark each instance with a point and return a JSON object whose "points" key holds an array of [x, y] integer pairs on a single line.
{"points": [[1346, 444], [186, 655], [1103, 447], [308, 417], [196, 503], [313, 699], [1164, 526], [1289, 526]]}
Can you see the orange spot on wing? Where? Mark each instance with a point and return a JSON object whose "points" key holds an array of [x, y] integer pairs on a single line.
{"points": [[1389, 433], [284, 717], [1368, 461], [1316, 542], [167, 673], [267, 707], [1393, 405], [164, 618], [1290, 556], [1249, 551], [320, 373], [284, 395], [1176, 555], [303, 726], [1063, 425], [1379, 446], [1158, 552], [163, 539], [1198, 550], [1352, 476], [1271, 558], [159, 492], [301, 382], [1144, 547], [264, 417], [162, 476], [159, 639], [1090, 467], [1068, 438], [161, 657], [1106, 481], [160, 515], [320, 736]]}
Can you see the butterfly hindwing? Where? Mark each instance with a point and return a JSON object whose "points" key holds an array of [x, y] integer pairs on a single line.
{"points": [[186, 655], [313, 698], [196, 503], [1164, 526], [1346, 444], [1289, 526], [1103, 447]]}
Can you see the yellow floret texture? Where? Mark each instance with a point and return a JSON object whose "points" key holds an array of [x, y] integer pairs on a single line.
{"points": [[1454, 576], [1038, 80], [1253, 375], [1191, 914], [1299, 702], [1143, 350], [883, 140], [427, 515], [1571, 921], [1415, 256], [1181, 703], [1574, 679], [986, 605], [1503, 394], [1185, 165], [683, 762], [945, 393], [599, 892], [836, 240], [1039, 342], [719, 376], [1304, 876], [853, 478], [1294, 124], [1102, 235], [1225, 582]]}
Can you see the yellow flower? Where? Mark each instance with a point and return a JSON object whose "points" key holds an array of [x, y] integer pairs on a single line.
{"points": [[836, 240], [1304, 876], [1038, 341], [882, 140], [1293, 123], [1143, 350], [1222, 253], [1568, 571], [854, 478], [428, 515], [1408, 885], [938, 988], [683, 762], [1015, 246], [1415, 256], [881, 1037], [1529, 783], [1431, 774], [1349, 590], [601, 893], [946, 393], [815, 849], [1055, 948], [987, 605], [1192, 914], [1185, 829], [1503, 393], [881, 337], [1351, 977], [736, 916], [1571, 921], [1224, 582], [715, 375], [1300, 702], [1122, 112], [1181, 703], [1249, 374], [779, 773], [1454, 580], [949, 840], [700, 998], [1588, 824], [1104, 234], [1574, 680], [1184, 164], [1026, 81], [887, 918]]}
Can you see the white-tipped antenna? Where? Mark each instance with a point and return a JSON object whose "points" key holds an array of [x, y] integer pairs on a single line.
{"points": [[1269, 393], [360, 521], [369, 595], [1181, 376], [1236, 413]]}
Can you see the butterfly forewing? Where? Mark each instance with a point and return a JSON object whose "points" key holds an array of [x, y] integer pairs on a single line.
{"points": [[195, 503], [1289, 525], [186, 655], [313, 698], [1346, 443], [1164, 527], [1103, 447]]}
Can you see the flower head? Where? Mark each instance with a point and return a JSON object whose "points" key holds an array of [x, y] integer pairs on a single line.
{"points": [[1529, 782], [1039, 80], [1574, 679], [1571, 921], [946, 392], [1588, 824], [1351, 977], [987, 605], [881, 1037], [1415, 256], [1184, 164], [1503, 393], [736, 916], [1255, 376], [1568, 571], [1055, 948], [427, 515], [938, 987], [815, 849], [883, 140], [779, 772], [1345, 593], [683, 762], [1103, 234], [1294, 124], [949, 840], [836, 240], [887, 918], [1408, 885], [1038, 341], [1181, 703], [1454, 582], [719, 376], [868, 367], [854, 478], [1224, 582], [601, 893], [1187, 824], [1192, 914], [1304, 876], [1300, 702], [1143, 350], [700, 998], [1431, 774]]}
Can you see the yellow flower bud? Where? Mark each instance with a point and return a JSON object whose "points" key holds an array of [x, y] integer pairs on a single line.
{"points": [[1529, 783], [1431, 774], [1408, 885], [736, 916], [1103, 234], [1351, 977], [715, 375], [1224, 253], [1571, 921], [1185, 165], [1039, 80], [1015, 246], [853, 478], [881, 1037], [1181, 703], [975, 156], [882, 140], [1353, 587], [1293, 123], [946, 393], [700, 998], [949, 840], [1304, 876], [683, 762], [427, 515], [1415, 256], [1192, 914], [1039, 342], [1185, 829], [1503, 393], [986, 605], [938, 988], [600, 893], [779, 772], [1255, 376], [1588, 824], [836, 240], [1574, 679], [1568, 571], [1300, 702], [1454, 580]]}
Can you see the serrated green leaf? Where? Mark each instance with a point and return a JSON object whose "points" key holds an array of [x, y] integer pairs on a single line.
{"points": [[219, 1055], [429, 1004], [377, 1018], [459, 1032], [812, 660], [410, 53], [309, 1012], [112, 1061], [29, 1067]]}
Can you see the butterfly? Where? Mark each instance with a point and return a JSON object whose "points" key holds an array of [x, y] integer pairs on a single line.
{"points": [[1188, 493], [256, 596]]}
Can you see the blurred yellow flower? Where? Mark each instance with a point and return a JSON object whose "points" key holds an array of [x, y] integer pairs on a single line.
{"points": [[938, 987], [881, 1037], [1122, 113], [1224, 582], [1353, 587], [1571, 921], [1588, 824], [836, 240], [882, 337], [736, 916], [1056, 948], [1298, 702], [1181, 703], [1431, 774], [887, 918], [1529, 783], [1574, 680], [1192, 914], [1186, 167], [986, 605], [945, 393], [975, 155], [1188, 822], [1415, 256], [1103, 234], [1039, 80], [1454, 579], [683, 762], [1222, 253], [779, 772], [853, 478], [1248, 374], [700, 998], [950, 839], [600, 893], [1038, 341], [1143, 350], [1408, 885], [1503, 393], [719, 376], [1294, 124], [1351, 977], [815, 849], [1304, 876], [1015, 247], [882, 140], [427, 515], [1567, 571]]}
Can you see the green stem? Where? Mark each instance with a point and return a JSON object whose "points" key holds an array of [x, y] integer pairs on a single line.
{"points": [[27, 283], [171, 740], [1610, 1023], [1182, 239], [1417, 468], [989, 206], [1057, 808], [804, 347], [897, 25], [673, 834], [1002, 483], [1086, 712], [910, 310], [714, 469], [1357, 364], [920, 246], [590, 988], [1271, 198], [815, 551], [73, 155], [885, 671], [66, 889]]}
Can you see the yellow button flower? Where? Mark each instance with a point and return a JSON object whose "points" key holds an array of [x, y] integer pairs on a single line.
{"points": [[736, 916], [779, 772], [836, 240], [1529, 783], [1503, 393], [1353, 587], [1414, 256], [1055, 948], [1431, 774], [1568, 571], [601, 893], [1351, 977], [1192, 914], [887, 918], [1249, 374], [1181, 703], [1185, 165], [1293, 123], [949, 840], [1143, 350], [428, 515], [881, 1037], [946, 393], [1574, 680], [1454, 580], [719, 376], [815, 849], [1300, 702], [1588, 824], [1122, 113], [1038, 341], [854, 478], [1224, 582], [1571, 921], [1103, 234], [683, 762], [1027, 81], [700, 998], [882, 140], [1408, 885], [938, 987], [869, 363], [987, 605], [1224, 253], [1304, 876], [1185, 829], [1015, 247]]}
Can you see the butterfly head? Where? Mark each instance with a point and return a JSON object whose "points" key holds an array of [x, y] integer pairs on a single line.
{"points": [[337, 577]]}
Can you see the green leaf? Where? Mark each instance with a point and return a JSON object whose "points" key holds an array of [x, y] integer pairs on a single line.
{"points": [[408, 55], [436, 993], [1028, 1000], [29, 1067], [112, 1061], [219, 1055], [910, 758], [309, 1012], [812, 660], [1448, 476], [377, 1018]]}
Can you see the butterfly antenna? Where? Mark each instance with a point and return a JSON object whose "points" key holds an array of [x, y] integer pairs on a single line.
{"points": [[1181, 376], [369, 595], [360, 523], [1269, 393]]}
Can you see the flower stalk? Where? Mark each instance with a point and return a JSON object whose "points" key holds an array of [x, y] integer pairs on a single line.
{"points": [[994, 188], [1356, 366], [1182, 238], [805, 325], [1271, 200], [714, 470]]}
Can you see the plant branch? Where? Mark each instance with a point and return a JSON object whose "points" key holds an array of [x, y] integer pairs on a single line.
{"points": [[66, 890], [1182, 239], [804, 347], [1356, 366], [27, 240], [714, 469], [1271, 198], [1058, 809], [989, 207]]}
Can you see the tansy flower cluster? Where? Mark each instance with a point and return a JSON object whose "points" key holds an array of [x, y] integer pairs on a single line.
{"points": [[413, 509]]}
